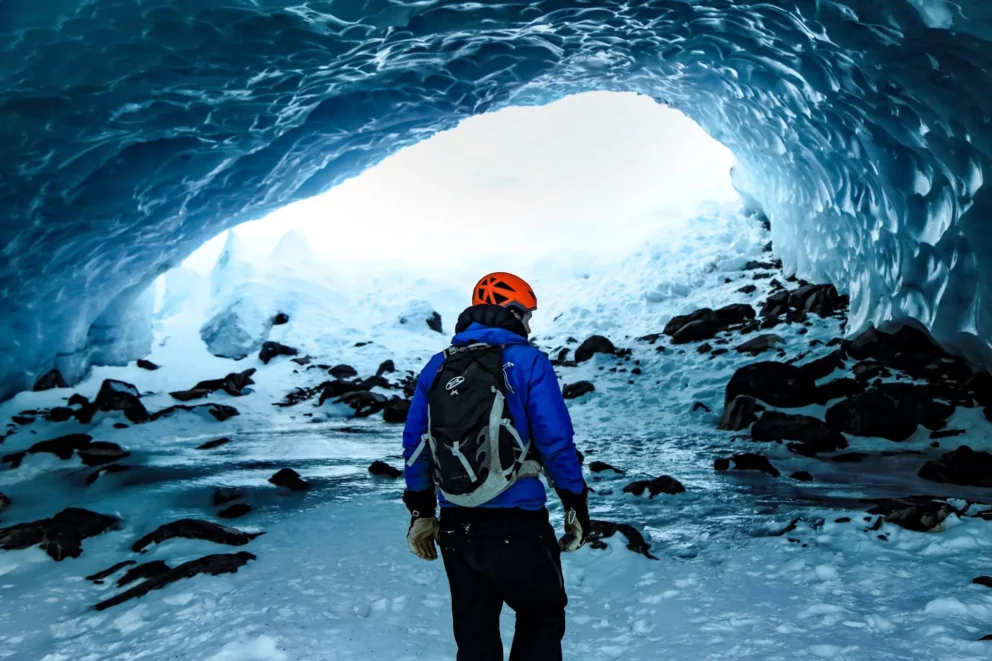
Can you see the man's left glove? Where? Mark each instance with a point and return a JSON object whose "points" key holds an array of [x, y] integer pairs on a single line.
{"points": [[577, 523], [423, 530]]}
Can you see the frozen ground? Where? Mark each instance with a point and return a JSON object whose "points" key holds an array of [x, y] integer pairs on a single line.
{"points": [[333, 578]]}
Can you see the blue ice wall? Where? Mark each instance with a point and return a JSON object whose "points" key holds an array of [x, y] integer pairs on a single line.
{"points": [[132, 131]]}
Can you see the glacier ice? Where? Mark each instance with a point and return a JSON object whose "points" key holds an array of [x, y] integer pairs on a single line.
{"points": [[133, 132]]}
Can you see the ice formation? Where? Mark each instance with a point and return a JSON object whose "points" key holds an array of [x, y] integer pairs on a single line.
{"points": [[133, 132]]}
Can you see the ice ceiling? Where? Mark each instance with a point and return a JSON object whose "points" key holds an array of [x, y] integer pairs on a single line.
{"points": [[134, 130]]}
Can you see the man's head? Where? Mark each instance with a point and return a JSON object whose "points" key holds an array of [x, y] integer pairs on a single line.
{"points": [[508, 291]]}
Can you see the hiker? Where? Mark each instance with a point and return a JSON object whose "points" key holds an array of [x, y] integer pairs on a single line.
{"points": [[487, 418]]}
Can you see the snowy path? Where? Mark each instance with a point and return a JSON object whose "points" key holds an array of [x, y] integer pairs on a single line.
{"points": [[333, 578]]}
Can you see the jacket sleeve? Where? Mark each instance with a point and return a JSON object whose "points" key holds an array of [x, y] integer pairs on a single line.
{"points": [[551, 427], [418, 476]]}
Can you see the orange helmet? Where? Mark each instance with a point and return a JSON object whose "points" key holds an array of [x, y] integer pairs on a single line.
{"points": [[506, 290]]}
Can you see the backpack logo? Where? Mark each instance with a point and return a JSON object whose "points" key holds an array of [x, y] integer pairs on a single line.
{"points": [[454, 383]]}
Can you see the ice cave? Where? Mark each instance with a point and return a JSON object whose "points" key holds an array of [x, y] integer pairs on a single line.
{"points": [[781, 401]]}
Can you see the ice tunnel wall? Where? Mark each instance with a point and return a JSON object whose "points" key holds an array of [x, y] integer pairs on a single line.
{"points": [[133, 131]]}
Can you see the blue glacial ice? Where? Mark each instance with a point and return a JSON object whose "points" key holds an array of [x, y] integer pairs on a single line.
{"points": [[135, 131]]}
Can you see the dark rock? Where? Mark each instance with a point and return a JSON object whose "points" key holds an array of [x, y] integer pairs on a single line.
{"points": [[396, 411], [386, 367], [22, 419], [343, 372], [434, 322], [694, 331], [302, 360], [761, 344], [983, 580], [946, 433], [213, 565], [78, 400], [224, 496], [578, 389], [60, 536], [235, 511], [62, 447], [105, 470], [662, 484], [59, 414], [383, 469], [374, 382], [889, 410], [120, 425], [843, 519], [50, 380], [147, 365], [736, 313], [867, 370], [636, 371], [699, 406], [748, 289], [680, 321], [272, 349], [718, 352], [233, 384], [191, 394], [755, 265], [219, 412], [650, 339], [721, 464], [593, 345], [280, 319], [705, 347], [777, 384], [99, 576], [635, 540], [290, 479], [802, 476], [962, 466], [919, 513], [194, 529], [336, 389], [838, 389], [142, 572], [117, 395], [775, 305], [364, 403], [850, 458], [748, 462], [767, 247], [4, 502], [216, 443], [600, 466], [825, 366], [812, 435], [101, 452], [740, 413]]}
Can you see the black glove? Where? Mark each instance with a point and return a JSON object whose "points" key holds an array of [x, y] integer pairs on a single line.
{"points": [[420, 503], [576, 519]]}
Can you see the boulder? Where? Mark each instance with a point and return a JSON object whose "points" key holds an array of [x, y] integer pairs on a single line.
{"points": [[578, 389], [194, 529], [363, 402], [216, 443], [386, 367], [761, 344], [117, 395], [101, 452], [335, 389], [219, 412], [99, 576], [748, 289], [919, 513], [600, 530], [234, 511], [651, 338], [280, 319], [695, 331], [272, 349], [50, 380], [62, 447], [777, 384], [142, 572], [78, 400], [593, 345], [105, 470], [396, 411], [680, 321], [775, 305], [383, 469], [601, 466], [224, 496], [227, 563], [962, 466], [889, 410], [434, 322], [60, 536], [825, 366], [838, 389], [747, 462], [343, 372], [811, 435], [147, 365], [59, 414], [736, 313], [662, 484], [302, 360], [802, 476], [290, 479], [740, 413]]}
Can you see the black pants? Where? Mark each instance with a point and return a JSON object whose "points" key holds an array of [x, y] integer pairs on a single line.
{"points": [[496, 556]]}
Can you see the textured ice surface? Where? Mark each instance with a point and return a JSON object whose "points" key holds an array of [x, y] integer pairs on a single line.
{"points": [[134, 131]]}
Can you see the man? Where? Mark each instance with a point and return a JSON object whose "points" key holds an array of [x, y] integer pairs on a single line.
{"points": [[487, 417]]}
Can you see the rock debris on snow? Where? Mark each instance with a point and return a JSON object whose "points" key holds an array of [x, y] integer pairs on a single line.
{"points": [[592, 345], [142, 572], [60, 536], [290, 479], [662, 484], [194, 529], [383, 469], [49, 381], [577, 389], [216, 443], [747, 461], [961, 466]]}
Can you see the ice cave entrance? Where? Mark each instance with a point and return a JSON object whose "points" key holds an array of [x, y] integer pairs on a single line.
{"points": [[561, 193]]}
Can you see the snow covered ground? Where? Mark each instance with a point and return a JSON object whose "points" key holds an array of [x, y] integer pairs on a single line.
{"points": [[333, 578]]}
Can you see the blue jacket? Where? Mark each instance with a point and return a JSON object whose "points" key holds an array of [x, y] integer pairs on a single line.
{"points": [[538, 411]]}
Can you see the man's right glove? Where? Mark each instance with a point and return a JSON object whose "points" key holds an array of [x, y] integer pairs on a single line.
{"points": [[423, 524], [576, 519]]}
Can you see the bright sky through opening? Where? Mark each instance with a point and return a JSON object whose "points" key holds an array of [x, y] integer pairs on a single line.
{"points": [[588, 174]]}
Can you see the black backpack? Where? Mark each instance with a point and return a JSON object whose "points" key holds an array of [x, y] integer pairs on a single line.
{"points": [[476, 452]]}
